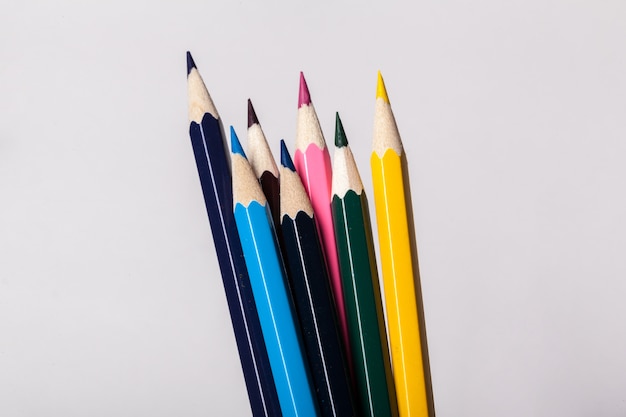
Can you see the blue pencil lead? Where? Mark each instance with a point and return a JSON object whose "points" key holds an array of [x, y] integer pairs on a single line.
{"points": [[285, 158], [235, 145], [190, 63]]}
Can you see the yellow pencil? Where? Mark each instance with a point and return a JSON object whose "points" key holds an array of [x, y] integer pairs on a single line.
{"points": [[397, 261]]}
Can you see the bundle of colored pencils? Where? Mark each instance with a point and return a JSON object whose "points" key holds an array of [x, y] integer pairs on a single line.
{"points": [[298, 264]]}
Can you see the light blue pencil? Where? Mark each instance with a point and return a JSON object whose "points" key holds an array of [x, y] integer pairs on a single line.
{"points": [[269, 287]]}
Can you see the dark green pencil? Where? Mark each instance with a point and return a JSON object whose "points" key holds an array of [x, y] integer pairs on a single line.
{"points": [[359, 276]]}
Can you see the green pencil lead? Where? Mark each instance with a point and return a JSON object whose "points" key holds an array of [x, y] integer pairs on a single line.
{"points": [[340, 135]]}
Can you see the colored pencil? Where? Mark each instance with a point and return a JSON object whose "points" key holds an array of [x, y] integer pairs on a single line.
{"points": [[207, 140], [397, 260], [368, 340], [308, 277], [270, 289], [262, 162], [312, 162]]}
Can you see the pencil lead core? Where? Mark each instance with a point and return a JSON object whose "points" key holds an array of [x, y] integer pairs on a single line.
{"points": [[190, 63], [252, 119], [285, 158], [381, 91], [340, 135], [235, 145], [304, 96]]}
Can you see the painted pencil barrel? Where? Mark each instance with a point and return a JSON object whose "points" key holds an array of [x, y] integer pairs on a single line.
{"points": [[399, 283], [276, 313], [271, 189], [316, 312], [318, 186], [215, 179], [363, 306]]}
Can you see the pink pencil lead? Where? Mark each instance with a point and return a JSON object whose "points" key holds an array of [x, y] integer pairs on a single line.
{"points": [[304, 97]]}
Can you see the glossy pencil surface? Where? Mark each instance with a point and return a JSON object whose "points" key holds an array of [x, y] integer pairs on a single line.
{"points": [[361, 290], [397, 261], [271, 293], [215, 177], [312, 295], [312, 162]]}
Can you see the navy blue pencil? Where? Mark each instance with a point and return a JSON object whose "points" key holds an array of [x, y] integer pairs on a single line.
{"points": [[312, 295], [207, 140]]}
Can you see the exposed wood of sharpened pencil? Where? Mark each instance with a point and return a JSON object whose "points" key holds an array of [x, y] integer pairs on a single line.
{"points": [[398, 262], [312, 295], [262, 161], [270, 288], [366, 323], [312, 162], [206, 135]]}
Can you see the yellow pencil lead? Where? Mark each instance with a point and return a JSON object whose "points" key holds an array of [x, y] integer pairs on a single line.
{"points": [[381, 91]]}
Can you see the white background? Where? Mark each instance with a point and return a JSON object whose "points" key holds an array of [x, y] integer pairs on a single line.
{"points": [[513, 119]]}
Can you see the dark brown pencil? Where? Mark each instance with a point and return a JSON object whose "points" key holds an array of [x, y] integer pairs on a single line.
{"points": [[263, 164]]}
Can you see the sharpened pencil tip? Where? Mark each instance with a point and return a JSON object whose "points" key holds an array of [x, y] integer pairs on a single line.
{"points": [[304, 97], [235, 145], [285, 158], [340, 135], [190, 63], [252, 119], [381, 91]]}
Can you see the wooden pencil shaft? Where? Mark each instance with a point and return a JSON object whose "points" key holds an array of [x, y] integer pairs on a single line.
{"points": [[398, 254], [312, 162], [215, 179], [363, 305], [314, 169], [316, 312], [398, 280], [276, 313], [262, 161]]}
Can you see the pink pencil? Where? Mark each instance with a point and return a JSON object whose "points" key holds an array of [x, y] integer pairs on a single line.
{"points": [[312, 162]]}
